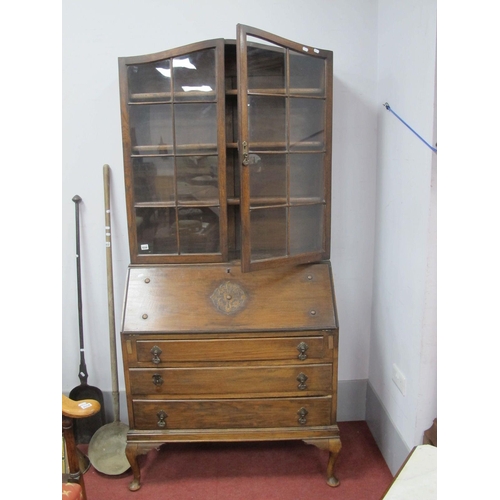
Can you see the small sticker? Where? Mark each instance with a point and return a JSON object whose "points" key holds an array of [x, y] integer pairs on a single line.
{"points": [[108, 244], [144, 246], [316, 50], [305, 49], [84, 405]]}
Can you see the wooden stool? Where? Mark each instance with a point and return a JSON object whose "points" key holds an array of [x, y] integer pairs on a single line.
{"points": [[73, 486]]}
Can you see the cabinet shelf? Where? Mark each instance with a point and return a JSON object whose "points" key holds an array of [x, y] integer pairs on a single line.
{"points": [[296, 92], [208, 149], [255, 202], [166, 97], [276, 202], [169, 148], [281, 146], [171, 204]]}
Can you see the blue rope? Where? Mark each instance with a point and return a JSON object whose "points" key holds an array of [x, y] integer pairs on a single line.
{"points": [[386, 105]]}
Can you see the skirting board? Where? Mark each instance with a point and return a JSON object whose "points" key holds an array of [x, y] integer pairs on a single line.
{"points": [[387, 437], [351, 400]]}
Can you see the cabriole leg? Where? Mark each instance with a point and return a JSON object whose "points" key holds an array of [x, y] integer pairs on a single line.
{"points": [[133, 450], [334, 447]]}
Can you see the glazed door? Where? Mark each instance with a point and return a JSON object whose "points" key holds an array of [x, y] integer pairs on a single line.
{"points": [[172, 106], [285, 114]]}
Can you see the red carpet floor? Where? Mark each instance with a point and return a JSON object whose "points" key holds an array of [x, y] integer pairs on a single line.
{"points": [[290, 470]]}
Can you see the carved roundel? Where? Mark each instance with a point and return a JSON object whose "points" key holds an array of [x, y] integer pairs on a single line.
{"points": [[228, 298]]}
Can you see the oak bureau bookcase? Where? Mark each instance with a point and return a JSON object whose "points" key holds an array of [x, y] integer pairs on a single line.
{"points": [[229, 329]]}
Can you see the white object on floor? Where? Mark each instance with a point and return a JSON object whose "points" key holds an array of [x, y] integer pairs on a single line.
{"points": [[417, 480]]}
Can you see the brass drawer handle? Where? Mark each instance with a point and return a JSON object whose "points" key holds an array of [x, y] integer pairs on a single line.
{"points": [[162, 416], [302, 416], [302, 348], [156, 351], [301, 378], [157, 379]]}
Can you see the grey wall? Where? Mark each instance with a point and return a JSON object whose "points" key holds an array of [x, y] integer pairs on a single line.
{"points": [[404, 324]]}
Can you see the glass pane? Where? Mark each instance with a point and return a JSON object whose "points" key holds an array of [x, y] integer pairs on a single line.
{"points": [[195, 128], [199, 230], [153, 179], [194, 76], [307, 124], [267, 122], [197, 179], [150, 82], [230, 70], [151, 128], [307, 75], [266, 68], [267, 179], [306, 178], [154, 231], [268, 233], [232, 173], [231, 120], [306, 229]]}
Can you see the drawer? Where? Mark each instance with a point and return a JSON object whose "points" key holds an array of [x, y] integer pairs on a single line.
{"points": [[232, 381], [162, 352], [232, 413]]}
